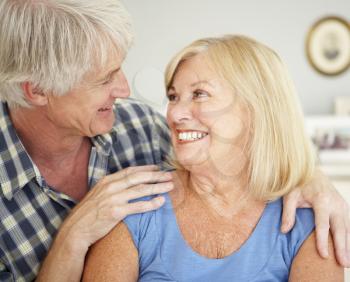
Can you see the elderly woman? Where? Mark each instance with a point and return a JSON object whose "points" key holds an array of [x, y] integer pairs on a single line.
{"points": [[237, 131]]}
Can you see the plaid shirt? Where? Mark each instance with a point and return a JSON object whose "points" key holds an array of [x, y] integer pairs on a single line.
{"points": [[31, 211]]}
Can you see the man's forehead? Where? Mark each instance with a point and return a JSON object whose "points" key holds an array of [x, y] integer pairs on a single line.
{"points": [[112, 63]]}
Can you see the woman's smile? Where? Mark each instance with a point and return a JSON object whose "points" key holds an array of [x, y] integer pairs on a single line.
{"points": [[186, 136]]}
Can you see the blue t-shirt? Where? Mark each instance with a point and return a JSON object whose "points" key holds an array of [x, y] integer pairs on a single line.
{"points": [[267, 255]]}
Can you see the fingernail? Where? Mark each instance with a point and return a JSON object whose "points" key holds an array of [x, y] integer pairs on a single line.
{"points": [[170, 185], [347, 258], [325, 253], [169, 175], [284, 228], [153, 166], [167, 186], [160, 200]]}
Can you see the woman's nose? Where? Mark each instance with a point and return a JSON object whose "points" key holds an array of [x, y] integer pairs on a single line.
{"points": [[121, 87], [179, 112]]}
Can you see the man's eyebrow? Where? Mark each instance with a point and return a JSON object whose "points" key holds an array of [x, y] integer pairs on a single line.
{"points": [[108, 75]]}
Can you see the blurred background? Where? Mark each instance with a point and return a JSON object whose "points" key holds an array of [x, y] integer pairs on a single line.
{"points": [[163, 27]]}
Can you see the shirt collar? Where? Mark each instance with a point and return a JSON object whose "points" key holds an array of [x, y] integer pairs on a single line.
{"points": [[103, 143], [16, 166]]}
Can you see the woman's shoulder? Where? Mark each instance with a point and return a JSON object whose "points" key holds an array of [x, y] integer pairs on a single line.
{"points": [[137, 218], [304, 216], [142, 226], [302, 229]]}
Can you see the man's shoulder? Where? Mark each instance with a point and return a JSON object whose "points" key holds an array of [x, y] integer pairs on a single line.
{"points": [[138, 129], [133, 113]]}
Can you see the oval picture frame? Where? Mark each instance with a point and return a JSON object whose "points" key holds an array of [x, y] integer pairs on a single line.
{"points": [[328, 45]]}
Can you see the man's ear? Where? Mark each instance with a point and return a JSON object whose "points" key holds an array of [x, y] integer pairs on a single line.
{"points": [[34, 95]]}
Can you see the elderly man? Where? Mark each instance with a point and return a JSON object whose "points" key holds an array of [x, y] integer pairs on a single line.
{"points": [[71, 159]]}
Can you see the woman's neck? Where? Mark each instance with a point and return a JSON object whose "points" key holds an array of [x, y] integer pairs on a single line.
{"points": [[224, 196]]}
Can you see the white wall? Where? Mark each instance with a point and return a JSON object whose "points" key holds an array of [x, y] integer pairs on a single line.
{"points": [[163, 27]]}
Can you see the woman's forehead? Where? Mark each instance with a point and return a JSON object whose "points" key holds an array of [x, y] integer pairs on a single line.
{"points": [[195, 70]]}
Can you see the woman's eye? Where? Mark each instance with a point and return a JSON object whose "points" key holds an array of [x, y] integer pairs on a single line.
{"points": [[200, 94], [171, 97]]}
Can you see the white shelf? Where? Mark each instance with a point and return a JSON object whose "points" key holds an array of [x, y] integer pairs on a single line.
{"points": [[334, 157], [336, 171]]}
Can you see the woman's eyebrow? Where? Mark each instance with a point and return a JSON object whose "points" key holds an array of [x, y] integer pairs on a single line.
{"points": [[201, 82], [172, 87]]}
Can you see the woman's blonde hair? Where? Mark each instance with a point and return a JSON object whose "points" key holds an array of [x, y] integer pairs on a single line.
{"points": [[281, 156], [54, 43]]}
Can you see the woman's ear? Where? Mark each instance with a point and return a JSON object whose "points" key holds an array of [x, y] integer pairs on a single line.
{"points": [[33, 94]]}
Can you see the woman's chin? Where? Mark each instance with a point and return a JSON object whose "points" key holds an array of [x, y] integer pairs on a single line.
{"points": [[191, 161]]}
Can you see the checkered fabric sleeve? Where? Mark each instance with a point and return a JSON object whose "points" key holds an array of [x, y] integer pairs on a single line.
{"points": [[31, 211]]}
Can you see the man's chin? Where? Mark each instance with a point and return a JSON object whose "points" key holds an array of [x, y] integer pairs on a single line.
{"points": [[105, 131], [100, 131]]}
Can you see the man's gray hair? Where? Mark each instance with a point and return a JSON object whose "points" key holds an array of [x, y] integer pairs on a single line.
{"points": [[54, 43]]}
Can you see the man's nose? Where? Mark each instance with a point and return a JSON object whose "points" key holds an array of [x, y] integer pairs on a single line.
{"points": [[121, 87]]}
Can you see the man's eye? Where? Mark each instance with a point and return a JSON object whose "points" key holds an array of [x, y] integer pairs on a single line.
{"points": [[109, 80], [111, 77]]}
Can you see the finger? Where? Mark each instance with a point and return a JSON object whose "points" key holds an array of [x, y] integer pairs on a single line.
{"points": [[133, 169], [338, 229], [108, 179], [140, 207], [290, 202], [347, 264], [322, 230], [130, 170], [347, 235], [140, 177], [144, 190]]}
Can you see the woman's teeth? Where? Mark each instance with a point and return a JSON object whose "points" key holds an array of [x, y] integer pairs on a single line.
{"points": [[191, 136]]}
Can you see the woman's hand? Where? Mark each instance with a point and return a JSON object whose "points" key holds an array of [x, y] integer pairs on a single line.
{"points": [[331, 212]]}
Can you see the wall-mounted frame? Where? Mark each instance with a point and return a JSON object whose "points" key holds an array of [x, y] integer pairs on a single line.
{"points": [[328, 45]]}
